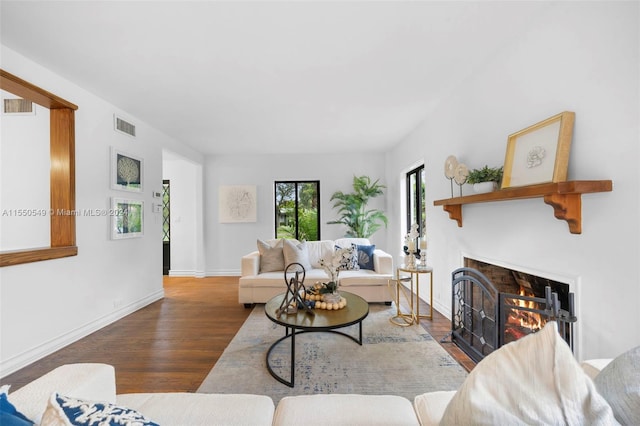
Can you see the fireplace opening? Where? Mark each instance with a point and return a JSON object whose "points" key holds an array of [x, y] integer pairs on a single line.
{"points": [[493, 306]]}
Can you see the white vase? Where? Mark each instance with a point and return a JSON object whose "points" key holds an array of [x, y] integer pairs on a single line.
{"points": [[483, 187]]}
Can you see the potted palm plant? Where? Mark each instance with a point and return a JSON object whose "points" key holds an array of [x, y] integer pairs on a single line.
{"points": [[485, 179], [352, 208]]}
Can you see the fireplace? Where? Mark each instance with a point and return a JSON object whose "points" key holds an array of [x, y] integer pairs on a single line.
{"points": [[493, 306]]}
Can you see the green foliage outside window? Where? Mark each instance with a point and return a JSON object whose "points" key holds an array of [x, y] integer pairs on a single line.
{"points": [[297, 210]]}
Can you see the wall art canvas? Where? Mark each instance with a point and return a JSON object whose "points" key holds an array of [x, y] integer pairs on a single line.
{"points": [[127, 171], [539, 153], [127, 218], [237, 204]]}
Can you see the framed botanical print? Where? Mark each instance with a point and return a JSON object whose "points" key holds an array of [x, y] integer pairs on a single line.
{"points": [[127, 171], [539, 153]]}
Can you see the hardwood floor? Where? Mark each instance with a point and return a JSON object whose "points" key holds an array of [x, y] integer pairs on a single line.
{"points": [[171, 345]]}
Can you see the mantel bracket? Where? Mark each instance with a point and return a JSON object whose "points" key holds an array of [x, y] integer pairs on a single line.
{"points": [[567, 207], [455, 212]]}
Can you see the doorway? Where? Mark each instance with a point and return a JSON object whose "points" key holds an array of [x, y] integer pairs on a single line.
{"points": [[166, 228]]}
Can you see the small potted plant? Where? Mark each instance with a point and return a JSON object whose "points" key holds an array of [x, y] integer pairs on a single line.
{"points": [[485, 179]]}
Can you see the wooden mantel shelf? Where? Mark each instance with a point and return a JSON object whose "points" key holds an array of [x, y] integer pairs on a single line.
{"points": [[564, 197]]}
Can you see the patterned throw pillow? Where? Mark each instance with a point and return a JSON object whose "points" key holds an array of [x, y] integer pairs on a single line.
{"points": [[365, 256], [271, 256], [9, 415], [348, 258], [62, 410]]}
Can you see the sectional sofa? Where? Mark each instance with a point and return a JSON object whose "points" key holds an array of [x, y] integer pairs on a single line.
{"points": [[513, 385]]}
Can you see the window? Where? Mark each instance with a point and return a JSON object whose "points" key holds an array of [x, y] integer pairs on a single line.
{"points": [[416, 199], [297, 214]]}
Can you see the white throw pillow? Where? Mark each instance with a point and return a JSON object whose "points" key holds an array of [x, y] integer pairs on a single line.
{"points": [[295, 252], [619, 384], [271, 256], [319, 250], [532, 381]]}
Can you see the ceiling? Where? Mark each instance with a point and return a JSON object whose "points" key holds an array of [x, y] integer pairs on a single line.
{"points": [[268, 77]]}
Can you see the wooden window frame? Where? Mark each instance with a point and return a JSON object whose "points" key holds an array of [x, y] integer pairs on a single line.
{"points": [[62, 175]]}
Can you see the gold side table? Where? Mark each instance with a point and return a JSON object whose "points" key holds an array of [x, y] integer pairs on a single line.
{"points": [[411, 276]]}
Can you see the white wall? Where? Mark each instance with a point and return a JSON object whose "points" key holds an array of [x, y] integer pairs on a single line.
{"points": [[581, 57], [226, 243], [185, 204], [24, 201], [46, 305]]}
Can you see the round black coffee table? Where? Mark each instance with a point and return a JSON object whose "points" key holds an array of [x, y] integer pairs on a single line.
{"points": [[356, 310]]}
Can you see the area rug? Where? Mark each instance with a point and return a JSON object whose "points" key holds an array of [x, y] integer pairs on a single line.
{"points": [[404, 361]]}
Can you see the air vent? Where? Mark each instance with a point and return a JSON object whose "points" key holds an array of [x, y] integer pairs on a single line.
{"points": [[18, 106], [124, 126]]}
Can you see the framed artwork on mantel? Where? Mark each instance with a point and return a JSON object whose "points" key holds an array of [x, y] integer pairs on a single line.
{"points": [[539, 153]]}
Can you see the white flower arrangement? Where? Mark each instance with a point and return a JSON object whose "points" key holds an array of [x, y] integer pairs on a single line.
{"points": [[332, 267], [410, 238]]}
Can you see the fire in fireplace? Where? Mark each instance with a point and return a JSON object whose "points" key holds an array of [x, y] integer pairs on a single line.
{"points": [[487, 316]]}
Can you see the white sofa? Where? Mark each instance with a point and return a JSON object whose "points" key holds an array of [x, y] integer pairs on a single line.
{"points": [[255, 286], [96, 382]]}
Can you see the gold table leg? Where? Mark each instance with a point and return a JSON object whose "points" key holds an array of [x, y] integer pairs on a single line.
{"points": [[404, 319]]}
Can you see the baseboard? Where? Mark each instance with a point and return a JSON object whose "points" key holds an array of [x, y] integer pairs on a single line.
{"points": [[186, 273], [22, 360], [445, 310], [223, 273]]}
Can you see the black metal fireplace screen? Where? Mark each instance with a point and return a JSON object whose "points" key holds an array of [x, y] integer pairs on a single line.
{"points": [[483, 319]]}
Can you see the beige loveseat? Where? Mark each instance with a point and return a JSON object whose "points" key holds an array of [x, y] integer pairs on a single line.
{"points": [[257, 286]]}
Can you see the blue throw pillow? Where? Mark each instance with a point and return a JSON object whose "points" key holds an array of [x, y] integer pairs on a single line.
{"points": [[365, 256], [9, 416], [76, 412]]}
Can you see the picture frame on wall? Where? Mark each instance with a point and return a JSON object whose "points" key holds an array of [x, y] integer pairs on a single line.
{"points": [[237, 204], [127, 171], [127, 218], [539, 153]]}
